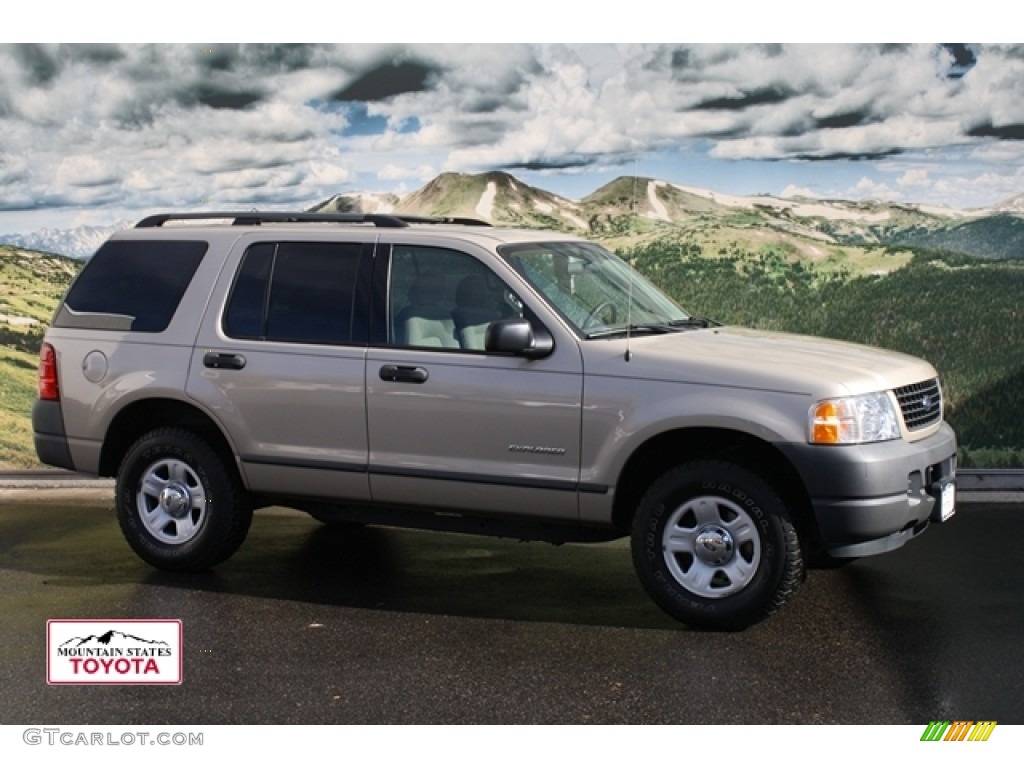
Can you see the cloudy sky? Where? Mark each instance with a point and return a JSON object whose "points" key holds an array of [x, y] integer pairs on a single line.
{"points": [[92, 133]]}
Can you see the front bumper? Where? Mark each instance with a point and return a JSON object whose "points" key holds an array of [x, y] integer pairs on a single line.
{"points": [[873, 498]]}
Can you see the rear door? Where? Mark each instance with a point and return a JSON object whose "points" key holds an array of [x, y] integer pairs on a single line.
{"points": [[280, 362]]}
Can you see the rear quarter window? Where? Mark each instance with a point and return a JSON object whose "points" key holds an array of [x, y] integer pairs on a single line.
{"points": [[131, 285]]}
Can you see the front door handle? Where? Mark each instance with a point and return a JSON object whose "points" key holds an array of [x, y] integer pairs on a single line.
{"points": [[224, 360], [407, 373]]}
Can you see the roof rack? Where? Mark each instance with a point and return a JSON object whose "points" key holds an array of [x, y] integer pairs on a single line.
{"points": [[255, 218]]}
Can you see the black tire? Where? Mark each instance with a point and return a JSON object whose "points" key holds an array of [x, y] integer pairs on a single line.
{"points": [[714, 546], [180, 507]]}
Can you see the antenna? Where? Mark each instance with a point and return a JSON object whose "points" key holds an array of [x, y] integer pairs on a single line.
{"points": [[629, 303]]}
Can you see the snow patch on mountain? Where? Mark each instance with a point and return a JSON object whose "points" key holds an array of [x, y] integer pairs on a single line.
{"points": [[658, 209], [373, 202], [1013, 205], [79, 243], [485, 207], [358, 202], [800, 208]]}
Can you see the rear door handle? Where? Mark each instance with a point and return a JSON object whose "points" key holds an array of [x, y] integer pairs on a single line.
{"points": [[224, 360], [407, 373]]}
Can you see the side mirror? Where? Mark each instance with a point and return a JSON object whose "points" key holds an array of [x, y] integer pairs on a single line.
{"points": [[516, 336]]}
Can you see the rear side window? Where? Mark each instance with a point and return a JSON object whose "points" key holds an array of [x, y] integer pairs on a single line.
{"points": [[131, 285], [298, 292]]}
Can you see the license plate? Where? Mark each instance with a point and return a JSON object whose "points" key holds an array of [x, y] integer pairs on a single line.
{"points": [[948, 502]]}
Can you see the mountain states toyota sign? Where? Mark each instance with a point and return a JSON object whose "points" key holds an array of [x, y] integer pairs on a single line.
{"points": [[113, 652]]}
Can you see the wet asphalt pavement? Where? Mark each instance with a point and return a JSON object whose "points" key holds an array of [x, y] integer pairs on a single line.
{"points": [[308, 624]]}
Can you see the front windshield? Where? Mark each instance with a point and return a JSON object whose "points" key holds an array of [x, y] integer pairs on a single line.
{"points": [[593, 289]]}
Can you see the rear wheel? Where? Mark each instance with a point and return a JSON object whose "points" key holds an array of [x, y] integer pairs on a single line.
{"points": [[179, 505], [715, 547]]}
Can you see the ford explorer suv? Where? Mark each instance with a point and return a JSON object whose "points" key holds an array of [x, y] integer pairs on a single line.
{"points": [[445, 374]]}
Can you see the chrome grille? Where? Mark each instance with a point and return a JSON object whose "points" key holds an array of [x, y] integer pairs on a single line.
{"points": [[920, 403]]}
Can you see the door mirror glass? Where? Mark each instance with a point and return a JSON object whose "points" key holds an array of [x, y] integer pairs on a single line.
{"points": [[516, 336]]}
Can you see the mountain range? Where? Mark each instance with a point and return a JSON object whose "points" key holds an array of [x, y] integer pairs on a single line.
{"points": [[78, 243], [108, 638], [633, 209]]}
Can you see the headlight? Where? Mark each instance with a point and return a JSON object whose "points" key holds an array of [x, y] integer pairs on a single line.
{"points": [[850, 420]]}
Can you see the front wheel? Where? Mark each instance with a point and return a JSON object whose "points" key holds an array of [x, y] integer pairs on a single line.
{"points": [[179, 505], [714, 546]]}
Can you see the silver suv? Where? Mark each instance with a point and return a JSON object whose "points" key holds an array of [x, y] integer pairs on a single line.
{"points": [[448, 375]]}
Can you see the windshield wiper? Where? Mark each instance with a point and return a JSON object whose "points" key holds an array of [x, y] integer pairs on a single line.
{"points": [[695, 322], [635, 328], [672, 326]]}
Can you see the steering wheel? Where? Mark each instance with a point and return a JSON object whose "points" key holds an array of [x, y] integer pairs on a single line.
{"points": [[596, 312]]}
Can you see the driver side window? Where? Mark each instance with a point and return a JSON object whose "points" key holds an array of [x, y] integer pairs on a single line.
{"points": [[439, 298]]}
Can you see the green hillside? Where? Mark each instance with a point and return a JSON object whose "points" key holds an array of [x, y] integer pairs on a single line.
{"points": [[450, 194], [31, 284], [498, 197], [961, 314], [994, 237]]}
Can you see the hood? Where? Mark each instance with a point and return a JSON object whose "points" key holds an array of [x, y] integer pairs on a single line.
{"points": [[748, 358]]}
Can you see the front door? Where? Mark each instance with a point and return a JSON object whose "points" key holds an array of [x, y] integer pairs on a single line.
{"points": [[452, 426]]}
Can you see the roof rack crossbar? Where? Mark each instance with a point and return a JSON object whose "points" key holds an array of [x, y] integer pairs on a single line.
{"points": [[255, 218]]}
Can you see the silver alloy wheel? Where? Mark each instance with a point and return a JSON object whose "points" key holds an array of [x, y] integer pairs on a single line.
{"points": [[171, 501], [711, 546]]}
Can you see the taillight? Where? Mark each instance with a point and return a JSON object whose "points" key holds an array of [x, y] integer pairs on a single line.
{"points": [[48, 387]]}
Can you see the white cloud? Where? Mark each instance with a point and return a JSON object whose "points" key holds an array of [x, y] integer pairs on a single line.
{"points": [[393, 172], [915, 177], [328, 174], [869, 189], [84, 171], [142, 126]]}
